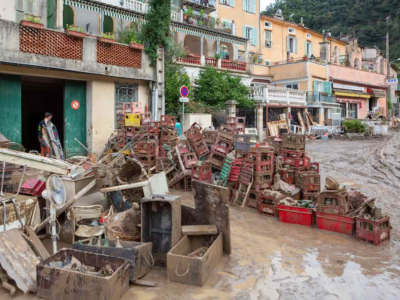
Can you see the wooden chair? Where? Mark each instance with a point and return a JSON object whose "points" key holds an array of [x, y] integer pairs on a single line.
{"points": [[79, 213]]}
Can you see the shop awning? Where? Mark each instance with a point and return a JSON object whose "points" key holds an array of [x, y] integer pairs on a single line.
{"points": [[377, 93], [353, 94]]}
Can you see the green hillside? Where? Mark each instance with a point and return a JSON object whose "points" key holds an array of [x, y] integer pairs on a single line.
{"points": [[365, 18]]}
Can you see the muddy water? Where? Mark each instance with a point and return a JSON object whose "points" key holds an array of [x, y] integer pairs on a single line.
{"points": [[273, 260]]}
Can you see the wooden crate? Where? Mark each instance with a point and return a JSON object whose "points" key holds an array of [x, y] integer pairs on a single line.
{"points": [[138, 254], [194, 270], [57, 283]]}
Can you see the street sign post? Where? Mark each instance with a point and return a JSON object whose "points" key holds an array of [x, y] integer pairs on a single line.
{"points": [[184, 91]]}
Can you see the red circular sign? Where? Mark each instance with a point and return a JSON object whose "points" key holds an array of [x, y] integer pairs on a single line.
{"points": [[184, 91], [75, 105]]}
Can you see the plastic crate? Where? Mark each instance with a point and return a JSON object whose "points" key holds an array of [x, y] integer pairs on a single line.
{"points": [[168, 121], [244, 142], [132, 119], [296, 215], [333, 202], [189, 160], [252, 199], [335, 223], [33, 187], [373, 232], [287, 175], [132, 107], [308, 181], [202, 172], [267, 209]]}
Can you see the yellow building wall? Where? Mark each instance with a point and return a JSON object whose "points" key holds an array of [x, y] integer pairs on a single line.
{"points": [[288, 71], [241, 18], [280, 32]]}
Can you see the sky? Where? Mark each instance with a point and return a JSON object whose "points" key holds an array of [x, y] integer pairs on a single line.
{"points": [[264, 4]]}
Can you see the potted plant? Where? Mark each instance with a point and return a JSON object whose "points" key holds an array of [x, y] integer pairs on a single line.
{"points": [[190, 14], [305, 57], [135, 44], [75, 31], [32, 21], [107, 38], [217, 56]]}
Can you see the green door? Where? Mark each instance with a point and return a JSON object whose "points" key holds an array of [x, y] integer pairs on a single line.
{"points": [[51, 13], [74, 119], [10, 107]]}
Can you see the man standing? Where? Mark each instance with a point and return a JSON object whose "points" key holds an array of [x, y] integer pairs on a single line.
{"points": [[44, 147]]}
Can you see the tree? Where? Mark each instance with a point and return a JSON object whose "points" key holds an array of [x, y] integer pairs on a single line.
{"points": [[214, 88], [156, 29]]}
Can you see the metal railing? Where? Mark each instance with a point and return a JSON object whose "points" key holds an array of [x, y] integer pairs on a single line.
{"points": [[320, 97], [295, 60], [137, 6], [206, 3], [276, 95], [211, 61], [233, 65], [189, 59]]}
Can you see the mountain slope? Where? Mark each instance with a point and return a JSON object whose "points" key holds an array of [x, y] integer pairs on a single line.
{"points": [[364, 18]]}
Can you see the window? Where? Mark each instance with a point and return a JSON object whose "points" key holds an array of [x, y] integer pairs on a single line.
{"points": [[23, 7], [323, 87], [268, 39], [308, 36], [291, 44], [268, 25], [227, 2], [224, 52], [309, 48], [108, 24], [68, 16], [250, 33], [126, 93], [292, 31], [294, 86], [226, 24], [267, 62], [249, 6], [352, 110]]}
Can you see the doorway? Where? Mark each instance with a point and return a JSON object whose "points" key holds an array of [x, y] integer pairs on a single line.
{"points": [[40, 95]]}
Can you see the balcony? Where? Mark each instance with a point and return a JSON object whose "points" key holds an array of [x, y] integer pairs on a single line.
{"points": [[207, 6], [198, 60], [138, 6], [272, 95], [320, 97]]}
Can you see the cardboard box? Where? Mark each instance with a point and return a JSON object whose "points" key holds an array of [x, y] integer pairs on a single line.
{"points": [[194, 270]]}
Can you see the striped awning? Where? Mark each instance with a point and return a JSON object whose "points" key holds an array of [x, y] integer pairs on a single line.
{"points": [[207, 33], [111, 11]]}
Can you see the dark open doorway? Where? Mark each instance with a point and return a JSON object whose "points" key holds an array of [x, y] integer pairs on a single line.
{"points": [[40, 95]]}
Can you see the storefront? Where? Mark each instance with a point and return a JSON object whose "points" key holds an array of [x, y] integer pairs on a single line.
{"points": [[353, 99]]}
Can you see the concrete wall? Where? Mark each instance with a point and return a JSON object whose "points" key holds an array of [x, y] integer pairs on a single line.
{"points": [[9, 53], [280, 32], [204, 120], [7, 10]]}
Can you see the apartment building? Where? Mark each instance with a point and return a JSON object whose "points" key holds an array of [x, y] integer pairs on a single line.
{"points": [[44, 67]]}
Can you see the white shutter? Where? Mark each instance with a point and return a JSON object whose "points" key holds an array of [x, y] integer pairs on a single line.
{"points": [[30, 7], [19, 10]]}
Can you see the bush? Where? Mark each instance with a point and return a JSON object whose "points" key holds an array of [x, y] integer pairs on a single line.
{"points": [[354, 126]]}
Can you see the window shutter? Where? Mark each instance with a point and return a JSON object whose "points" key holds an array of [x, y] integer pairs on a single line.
{"points": [[108, 24], [19, 10], [68, 16], [51, 13], [315, 86], [328, 87], [254, 8], [244, 28], [255, 36], [221, 1], [30, 6], [295, 45], [287, 44], [245, 5], [232, 3], [306, 49], [312, 49]]}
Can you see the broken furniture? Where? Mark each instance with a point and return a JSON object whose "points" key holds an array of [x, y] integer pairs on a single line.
{"points": [[161, 224], [80, 213], [55, 282], [138, 254], [193, 259], [18, 259]]}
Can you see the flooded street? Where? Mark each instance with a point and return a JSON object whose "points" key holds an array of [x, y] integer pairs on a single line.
{"points": [[273, 260]]}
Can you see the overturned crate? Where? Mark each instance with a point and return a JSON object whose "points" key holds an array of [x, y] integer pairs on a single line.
{"points": [[59, 283]]}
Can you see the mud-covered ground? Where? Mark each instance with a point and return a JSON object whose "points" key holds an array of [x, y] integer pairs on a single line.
{"points": [[273, 260]]}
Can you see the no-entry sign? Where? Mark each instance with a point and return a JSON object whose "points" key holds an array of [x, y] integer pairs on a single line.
{"points": [[75, 104], [184, 92]]}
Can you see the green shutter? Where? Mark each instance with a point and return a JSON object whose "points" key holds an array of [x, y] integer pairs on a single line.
{"points": [[255, 36], [74, 120], [245, 5], [305, 51], [295, 45], [51, 13], [328, 87], [68, 16], [315, 86], [254, 8], [233, 3], [244, 32], [108, 25], [287, 44], [312, 49], [10, 103]]}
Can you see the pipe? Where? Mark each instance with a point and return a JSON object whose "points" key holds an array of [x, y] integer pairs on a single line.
{"points": [[124, 187], [68, 204]]}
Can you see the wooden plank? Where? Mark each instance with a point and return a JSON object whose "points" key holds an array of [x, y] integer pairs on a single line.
{"points": [[18, 260], [44, 254], [199, 229], [301, 120]]}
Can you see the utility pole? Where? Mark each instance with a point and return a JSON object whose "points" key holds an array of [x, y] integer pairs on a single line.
{"points": [[388, 66]]}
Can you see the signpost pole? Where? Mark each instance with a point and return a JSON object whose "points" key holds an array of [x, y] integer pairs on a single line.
{"points": [[184, 92], [183, 117]]}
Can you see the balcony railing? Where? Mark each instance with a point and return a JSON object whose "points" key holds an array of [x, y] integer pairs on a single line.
{"points": [[211, 61], [320, 97], [138, 6], [233, 65], [295, 60], [206, 5], [280, 96], [189, 59]]}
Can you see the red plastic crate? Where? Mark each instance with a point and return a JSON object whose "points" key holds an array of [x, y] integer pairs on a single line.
{"points": [[267, 209], [296, 215], [168, 121], [373, 232], [202, 173], [189, 160], [252, 199], [336, 223], [33, 187]]}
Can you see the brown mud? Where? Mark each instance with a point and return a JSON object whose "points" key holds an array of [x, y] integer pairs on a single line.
{"points": [[273, 260]]}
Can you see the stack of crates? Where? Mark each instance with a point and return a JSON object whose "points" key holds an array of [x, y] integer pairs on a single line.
{"points": [[373, 231], [168, 132], [263, 159], [236, 123], [223, 144], [333, 202], [146, 153], [197, 141], [310, 184], [119, 109], [225, 171], [293, 150], [202, 171], [209, 137]]}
